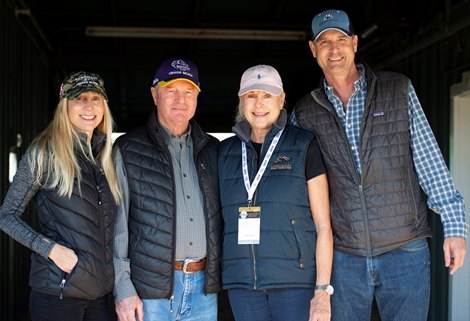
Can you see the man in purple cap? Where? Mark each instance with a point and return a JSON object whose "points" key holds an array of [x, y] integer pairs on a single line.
{"points": [[168, 231], [384, 168]]}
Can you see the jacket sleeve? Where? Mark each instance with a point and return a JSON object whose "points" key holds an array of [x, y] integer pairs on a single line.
{"points": [[21, 191], [123, 286]]}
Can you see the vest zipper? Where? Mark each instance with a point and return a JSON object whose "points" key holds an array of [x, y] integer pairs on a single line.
{"points": [[167, 153], [62, 285], [360, 187], [98, 175], [360, 177], [255, 278], [366, 221]]}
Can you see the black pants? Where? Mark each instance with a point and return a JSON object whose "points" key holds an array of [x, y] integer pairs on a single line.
{"points": [[46, 307]]}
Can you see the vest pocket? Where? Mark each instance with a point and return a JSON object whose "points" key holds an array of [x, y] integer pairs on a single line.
{"points": [[305, 239]]}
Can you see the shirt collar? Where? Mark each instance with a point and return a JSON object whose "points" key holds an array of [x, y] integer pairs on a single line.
{"points": [[359, 84], [167, 135]]}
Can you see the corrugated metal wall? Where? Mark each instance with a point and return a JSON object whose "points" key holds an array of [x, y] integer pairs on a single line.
{"points": [[24, 92]]}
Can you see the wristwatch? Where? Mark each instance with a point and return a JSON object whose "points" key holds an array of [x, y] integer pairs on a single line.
{"points": [[325, 287]]}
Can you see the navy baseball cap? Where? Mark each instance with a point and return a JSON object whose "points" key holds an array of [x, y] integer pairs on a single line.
{"points": [[331, 20], [175, 69]]}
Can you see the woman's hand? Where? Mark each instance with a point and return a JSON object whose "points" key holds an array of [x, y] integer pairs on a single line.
{"points": [[320, 307], [63, 257]]}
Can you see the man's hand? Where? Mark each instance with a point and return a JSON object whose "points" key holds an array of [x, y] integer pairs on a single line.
{"points": [[454, 253], [127, 309], [320, 307]]}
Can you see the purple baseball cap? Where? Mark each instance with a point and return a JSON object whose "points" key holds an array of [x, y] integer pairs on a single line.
{"points": [[331, 20], [175, 69]]}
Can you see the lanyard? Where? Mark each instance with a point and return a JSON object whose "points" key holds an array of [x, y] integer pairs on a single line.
{"points": [[252, 188]]}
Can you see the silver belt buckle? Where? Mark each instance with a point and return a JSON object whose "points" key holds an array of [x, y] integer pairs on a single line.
{"points": [[186, 263]]}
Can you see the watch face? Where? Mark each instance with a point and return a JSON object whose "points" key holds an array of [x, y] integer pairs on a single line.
{"points": [[329, 289]]}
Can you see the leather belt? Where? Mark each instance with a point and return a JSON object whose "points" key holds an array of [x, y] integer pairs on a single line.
{"points": [[190, 265]]}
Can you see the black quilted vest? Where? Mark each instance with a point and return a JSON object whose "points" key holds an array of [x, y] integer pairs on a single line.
{"points": [[84, 223], [152, 210]]}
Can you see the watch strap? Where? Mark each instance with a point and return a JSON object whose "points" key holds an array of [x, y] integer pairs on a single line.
{"points": [[324, 287]]}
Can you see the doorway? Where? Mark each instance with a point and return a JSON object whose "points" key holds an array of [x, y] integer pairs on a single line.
{"points": [[459, 284]]}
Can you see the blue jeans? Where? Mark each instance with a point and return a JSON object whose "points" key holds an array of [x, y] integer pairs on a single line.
{"points": [[291, 304], [399, 280], [188, 303]]}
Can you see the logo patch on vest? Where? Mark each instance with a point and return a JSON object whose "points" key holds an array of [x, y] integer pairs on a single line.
{"points": [[281, 163], [378, 113]]}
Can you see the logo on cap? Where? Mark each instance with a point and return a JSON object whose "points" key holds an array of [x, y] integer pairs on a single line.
{"points": [[331, 20], [261, 77], [172, 70], [79, 82], [181, 65]]}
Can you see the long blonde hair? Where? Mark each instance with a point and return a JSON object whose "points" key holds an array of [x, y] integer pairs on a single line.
{"points": [[53, 152]]}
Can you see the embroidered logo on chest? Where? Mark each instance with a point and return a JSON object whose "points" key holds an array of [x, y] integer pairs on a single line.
{"points": [[281, 163]]}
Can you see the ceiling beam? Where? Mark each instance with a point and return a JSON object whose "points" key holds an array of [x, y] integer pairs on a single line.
{"points": [[194, 33]]}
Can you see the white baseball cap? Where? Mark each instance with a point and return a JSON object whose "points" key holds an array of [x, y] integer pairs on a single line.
{"points": [[263, 78]]}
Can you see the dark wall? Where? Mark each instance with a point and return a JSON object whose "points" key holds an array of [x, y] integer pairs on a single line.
{"points": [[24, 91]]}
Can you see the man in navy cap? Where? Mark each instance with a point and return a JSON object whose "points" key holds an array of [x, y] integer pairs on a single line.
{"points": [[168, 231], [384, 168]]}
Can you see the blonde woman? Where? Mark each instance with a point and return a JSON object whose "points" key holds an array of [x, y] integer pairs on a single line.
{"points": [[278, 243], [69, 174]]}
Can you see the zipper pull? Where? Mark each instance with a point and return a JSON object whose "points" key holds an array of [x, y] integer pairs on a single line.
{"points": [[171, 303], [62, 284]]}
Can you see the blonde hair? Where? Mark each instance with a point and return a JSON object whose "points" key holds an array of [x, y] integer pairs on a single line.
{"points": [[240, 114], [53, 152]]}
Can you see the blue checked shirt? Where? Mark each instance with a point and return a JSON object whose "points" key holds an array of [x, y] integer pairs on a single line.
{"points": [[434, 177]]}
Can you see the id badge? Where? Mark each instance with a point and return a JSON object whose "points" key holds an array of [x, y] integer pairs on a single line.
{"points": [[249, 225]]}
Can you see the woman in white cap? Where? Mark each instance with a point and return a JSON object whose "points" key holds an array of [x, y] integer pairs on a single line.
{"points": [[278, 244], [68, 173]]}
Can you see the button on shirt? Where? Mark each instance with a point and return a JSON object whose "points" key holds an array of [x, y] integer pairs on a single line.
{"points": [[190, 223], [351, 118], [433, 175]]}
